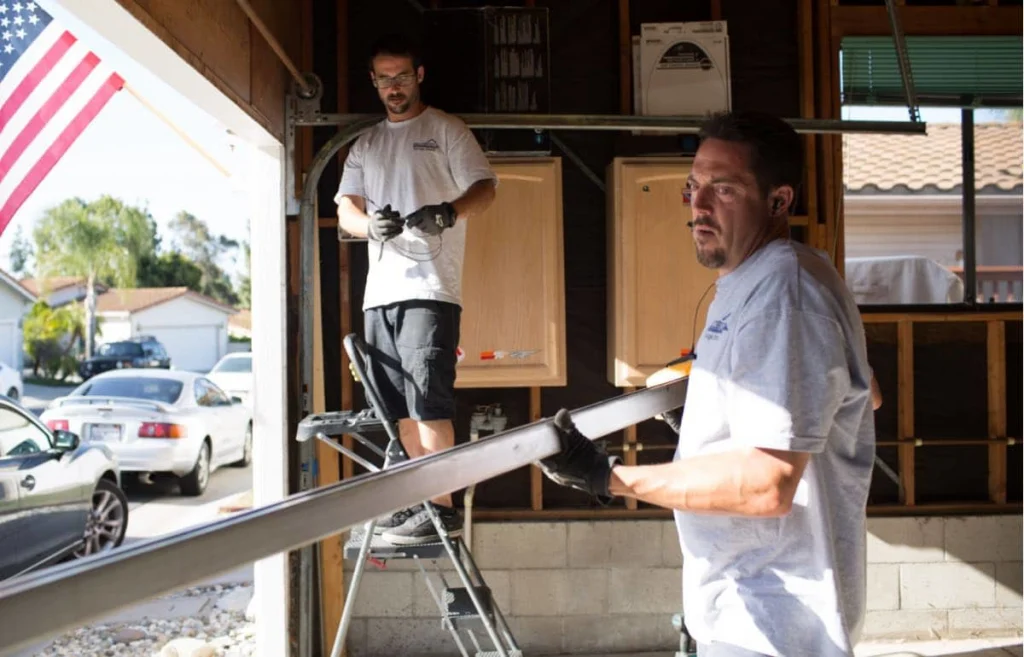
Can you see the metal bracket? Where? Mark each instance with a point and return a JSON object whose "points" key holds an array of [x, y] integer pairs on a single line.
{"points": [[903, 58]]}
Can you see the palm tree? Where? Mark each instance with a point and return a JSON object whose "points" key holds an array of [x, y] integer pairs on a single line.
{"points": [[76, 239]]}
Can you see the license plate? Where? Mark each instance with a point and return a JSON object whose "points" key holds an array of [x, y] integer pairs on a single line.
{"points": [[105, 433]]}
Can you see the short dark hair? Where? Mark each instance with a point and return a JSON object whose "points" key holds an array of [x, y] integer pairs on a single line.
{"points": [[776, 150], [396, 45]]}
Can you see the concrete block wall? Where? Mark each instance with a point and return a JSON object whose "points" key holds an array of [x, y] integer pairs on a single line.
{"points": [[612, 586]]}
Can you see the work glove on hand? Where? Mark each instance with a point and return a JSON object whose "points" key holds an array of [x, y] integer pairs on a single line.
{"points": [[385, 224], [581, 463], [433, 219], [673, 418]]}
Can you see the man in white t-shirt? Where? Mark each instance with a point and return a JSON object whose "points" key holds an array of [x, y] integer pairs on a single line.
{"points": [[410, 185], [770, 479]]}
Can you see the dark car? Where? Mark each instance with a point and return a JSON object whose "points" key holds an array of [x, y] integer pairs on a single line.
{"points": [[59, 498], [143, 351]]}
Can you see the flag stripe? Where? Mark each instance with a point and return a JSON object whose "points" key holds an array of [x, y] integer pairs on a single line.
{"points": [[38, 72], [46, 112], [58, 148]]}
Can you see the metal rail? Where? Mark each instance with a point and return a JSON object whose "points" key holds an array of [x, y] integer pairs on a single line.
{"points": [[613, 122], [67, 596]]}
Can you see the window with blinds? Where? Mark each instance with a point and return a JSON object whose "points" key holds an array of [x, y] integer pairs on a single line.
{"points": [[952, 71]]}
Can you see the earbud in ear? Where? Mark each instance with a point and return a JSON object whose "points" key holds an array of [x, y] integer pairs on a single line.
{"points": [[776, 205]]}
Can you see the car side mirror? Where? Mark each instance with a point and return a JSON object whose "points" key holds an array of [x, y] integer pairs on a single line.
{"points": [[236, 400], [65, 440]]}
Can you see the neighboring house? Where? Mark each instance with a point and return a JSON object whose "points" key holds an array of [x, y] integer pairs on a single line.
{"points": [[192, 327], [240, 325], [902, 205], [15, 302], [60, 290]]}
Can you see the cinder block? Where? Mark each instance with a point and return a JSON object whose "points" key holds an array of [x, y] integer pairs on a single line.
{"points": [[645, 591], [1009, 582], [978, 622], [883, 584], [904, 624], [671, 553], [947, 585], [512, 546], [590, 635], [988, 538], [425, 605], [560, 592], [537, 635], [384, 594], [905, 540], [408, 636], [615, 543]]}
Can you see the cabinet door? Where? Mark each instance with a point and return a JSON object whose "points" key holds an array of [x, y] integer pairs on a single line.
{"points": [[656, 284], [513, 318]]}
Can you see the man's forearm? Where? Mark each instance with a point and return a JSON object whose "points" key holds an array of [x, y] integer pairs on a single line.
{"points": [[352, 219], [749, 482], [477, 199]]}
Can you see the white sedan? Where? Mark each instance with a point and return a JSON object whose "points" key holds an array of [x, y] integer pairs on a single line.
{"points": [[233, 373], [159, 422]]}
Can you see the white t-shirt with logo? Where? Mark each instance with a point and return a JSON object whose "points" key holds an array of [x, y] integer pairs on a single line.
{"points": [[782, 364], [430, 159]]}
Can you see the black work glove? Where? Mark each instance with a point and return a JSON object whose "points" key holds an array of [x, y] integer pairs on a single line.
{"points": [[433, 219], [673, 418], [581, 464], [385, 224]]}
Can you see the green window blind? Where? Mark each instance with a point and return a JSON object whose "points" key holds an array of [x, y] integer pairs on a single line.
{"points": [[954, 71]]}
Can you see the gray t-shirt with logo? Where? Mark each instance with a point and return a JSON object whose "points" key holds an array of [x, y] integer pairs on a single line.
{"points": [[782, 364], [426, 160]]}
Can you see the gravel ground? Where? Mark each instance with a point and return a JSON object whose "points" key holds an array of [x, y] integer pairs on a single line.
{"points": [[215, 633]]}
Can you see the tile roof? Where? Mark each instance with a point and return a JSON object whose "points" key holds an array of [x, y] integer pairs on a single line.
{"points": [[242, 320], [135, 299], [18, 285], [931, 164], [52, 284]]}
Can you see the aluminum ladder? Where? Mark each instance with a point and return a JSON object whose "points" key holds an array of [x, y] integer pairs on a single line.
{"points": [[468, 607]]}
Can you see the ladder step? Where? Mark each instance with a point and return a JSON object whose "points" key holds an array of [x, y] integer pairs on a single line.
{"points": [[381, 549], [459, 606], [338, 423]]}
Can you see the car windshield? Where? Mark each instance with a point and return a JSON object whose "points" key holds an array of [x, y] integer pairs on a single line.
{"points": [[120, 349], [161, 390], [240, 364]]}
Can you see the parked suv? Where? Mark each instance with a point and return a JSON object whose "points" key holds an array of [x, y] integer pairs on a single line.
{"points": [[143, 351]]}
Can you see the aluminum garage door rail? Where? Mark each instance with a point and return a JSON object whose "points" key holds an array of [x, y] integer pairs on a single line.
{"points": [[68, 596]]}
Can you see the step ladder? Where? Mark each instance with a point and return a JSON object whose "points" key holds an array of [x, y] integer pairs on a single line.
{"points": [[468, 607]]}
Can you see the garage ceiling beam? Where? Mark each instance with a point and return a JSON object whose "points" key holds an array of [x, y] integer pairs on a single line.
{"points": [[927, 21]]}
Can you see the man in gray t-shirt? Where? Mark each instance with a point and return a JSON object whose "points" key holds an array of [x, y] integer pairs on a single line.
{"points": [[409, 185], [776, 442]]}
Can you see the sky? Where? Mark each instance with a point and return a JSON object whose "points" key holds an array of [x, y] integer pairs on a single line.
{"points": [[132, 154]]}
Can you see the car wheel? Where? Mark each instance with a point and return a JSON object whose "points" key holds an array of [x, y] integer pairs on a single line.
{"points": [[246, 449], [107, 521], [195, 482], [13, 394]]}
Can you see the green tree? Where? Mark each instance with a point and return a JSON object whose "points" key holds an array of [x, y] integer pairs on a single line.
{"points": [[192, 238], [169, 270], [51, 336], [99, 241], [21, 253]]}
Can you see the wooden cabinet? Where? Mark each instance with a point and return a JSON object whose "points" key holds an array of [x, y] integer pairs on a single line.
{"points": [[513, 282], [655, 283]]}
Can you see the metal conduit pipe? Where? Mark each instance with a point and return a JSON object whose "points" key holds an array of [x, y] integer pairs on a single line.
{"points": [[67, 596]]}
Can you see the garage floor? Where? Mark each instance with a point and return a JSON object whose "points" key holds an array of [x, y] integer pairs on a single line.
{"points": [[1001, 647]]}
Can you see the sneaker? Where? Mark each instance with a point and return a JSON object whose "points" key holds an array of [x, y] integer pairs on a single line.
{"points": [[419, 529], [396, 519]]}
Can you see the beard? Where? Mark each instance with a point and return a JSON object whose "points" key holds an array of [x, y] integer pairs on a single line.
{"points": [[399, 103], [710, 258]]}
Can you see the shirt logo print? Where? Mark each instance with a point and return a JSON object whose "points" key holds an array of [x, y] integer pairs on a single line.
{"points": [[429, 145], [717, 328]]}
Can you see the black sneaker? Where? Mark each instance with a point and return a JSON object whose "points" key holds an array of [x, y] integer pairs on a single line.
{"points": [[396, 519], [419, 529]]}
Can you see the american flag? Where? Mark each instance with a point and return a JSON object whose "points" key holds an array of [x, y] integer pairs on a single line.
{"points": [[51, 88]]}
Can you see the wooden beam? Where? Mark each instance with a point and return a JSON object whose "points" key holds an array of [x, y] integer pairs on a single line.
{"points": [[716, 10], [905, 408], [928, 21], [996, 344], [826, 110], [536, 476], [344, 248], [629, 455], [625, 60], [805, 45], [940, 317]]}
